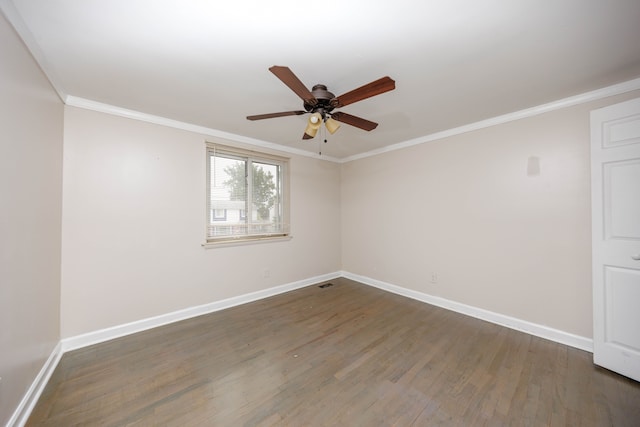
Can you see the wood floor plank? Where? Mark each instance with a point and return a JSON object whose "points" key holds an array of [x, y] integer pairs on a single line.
{"points": [[343, 355]]}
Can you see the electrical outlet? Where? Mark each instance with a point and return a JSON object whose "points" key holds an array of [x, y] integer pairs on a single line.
{"points": [[434, 277], [266, 273]]}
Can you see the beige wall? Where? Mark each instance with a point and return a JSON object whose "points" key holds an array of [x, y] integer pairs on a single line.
{"points": [[472, 209], [122, 243], [30, 199], [133, 224]]}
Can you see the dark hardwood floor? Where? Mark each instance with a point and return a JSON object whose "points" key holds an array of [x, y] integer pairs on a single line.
{"points": [[345, 355]]}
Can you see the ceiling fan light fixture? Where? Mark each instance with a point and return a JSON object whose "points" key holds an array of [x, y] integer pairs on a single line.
{"points": [[332, 125], [315, 118], [313, 124]]}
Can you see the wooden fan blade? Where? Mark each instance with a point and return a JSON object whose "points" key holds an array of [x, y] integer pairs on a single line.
{"points": [[374, 88], [272, 115], [306, 136], [354, 121], [293, 82]]}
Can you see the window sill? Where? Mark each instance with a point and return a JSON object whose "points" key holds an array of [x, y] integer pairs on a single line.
{"points": [[242, 242]]}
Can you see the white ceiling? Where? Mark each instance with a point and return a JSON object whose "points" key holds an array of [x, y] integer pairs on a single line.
{"points": [[205, 62]]}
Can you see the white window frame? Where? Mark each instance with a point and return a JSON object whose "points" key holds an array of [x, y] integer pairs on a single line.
{"points": [[211, 240]]}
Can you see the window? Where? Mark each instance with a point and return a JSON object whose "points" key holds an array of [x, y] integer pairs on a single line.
{"points": [[218, 214], [246, 195]]}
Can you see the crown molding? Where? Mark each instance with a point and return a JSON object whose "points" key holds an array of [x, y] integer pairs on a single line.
{"points": [[13, 16], [88, 104], [571, 101]]}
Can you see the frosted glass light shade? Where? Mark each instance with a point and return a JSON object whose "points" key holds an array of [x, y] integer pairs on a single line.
{"points": [[332, 125], [313, 124]]}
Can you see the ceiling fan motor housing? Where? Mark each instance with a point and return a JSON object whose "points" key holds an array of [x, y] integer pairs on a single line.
{"points": [[324, 98]]}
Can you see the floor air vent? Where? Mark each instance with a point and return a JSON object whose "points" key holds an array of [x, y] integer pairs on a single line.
{"points": [[326, 285]]}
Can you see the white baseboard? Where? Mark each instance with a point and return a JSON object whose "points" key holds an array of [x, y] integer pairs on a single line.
{"points": [[28, 402], [95, 337], [541, 331], [118, 331], [22, 412]]}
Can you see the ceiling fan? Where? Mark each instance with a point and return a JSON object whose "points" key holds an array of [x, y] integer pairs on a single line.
{"points": [[320, 103]]}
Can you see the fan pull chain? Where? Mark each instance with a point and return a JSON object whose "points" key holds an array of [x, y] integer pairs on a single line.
{"points": [[324, 138], [324, 131]]}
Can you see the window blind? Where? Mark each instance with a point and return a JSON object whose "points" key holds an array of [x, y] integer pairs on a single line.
{"points": [[246, 195]]}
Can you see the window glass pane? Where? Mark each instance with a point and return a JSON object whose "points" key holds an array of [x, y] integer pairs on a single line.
{"points": [[228, 189], [245, 195], [264, 198]]}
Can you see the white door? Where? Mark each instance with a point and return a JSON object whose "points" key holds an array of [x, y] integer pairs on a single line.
{"points": [[615, 192]]}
